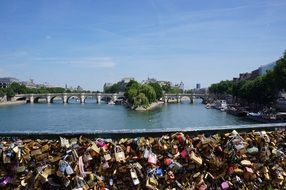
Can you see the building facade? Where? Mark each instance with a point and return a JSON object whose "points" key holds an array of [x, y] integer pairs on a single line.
{"points": [[7, 81]]}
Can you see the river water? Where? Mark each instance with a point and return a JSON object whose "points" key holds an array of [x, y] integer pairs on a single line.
{"points": [[89, 117]]}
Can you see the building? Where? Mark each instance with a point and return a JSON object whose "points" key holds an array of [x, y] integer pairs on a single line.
{"points": [[7, 81], [30, 84], [255, 73], [198, 86], [122, 84]]}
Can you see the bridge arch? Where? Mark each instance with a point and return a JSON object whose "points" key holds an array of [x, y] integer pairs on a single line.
{"points": [[57, 96], [77, 98], [43, 98], [190, 98], [106, 98], [24, 98], [88, 97], [172, 98]]}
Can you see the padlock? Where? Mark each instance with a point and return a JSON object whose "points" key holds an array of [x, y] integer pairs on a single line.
{"points": [[224, 185], [100, 142], [134, 176], [180, 137], [184, 153], [175, 149], [159, 172], [196, 159], [69, 170], [152, 158], [147, 152], [138, 165], [45, 148], [153, 181], [167, 161], [119, 154], [107, 157], [64, 142], [95, 148]]}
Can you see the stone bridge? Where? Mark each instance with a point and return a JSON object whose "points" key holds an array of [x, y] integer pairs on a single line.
{"points": [[65, 97], [178, 97], [34, 98]]}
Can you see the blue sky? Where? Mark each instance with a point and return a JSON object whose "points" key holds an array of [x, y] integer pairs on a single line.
{"points": [[91, 42]]}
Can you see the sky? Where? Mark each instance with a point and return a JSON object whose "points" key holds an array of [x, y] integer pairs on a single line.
{"points": [[91, 42]]}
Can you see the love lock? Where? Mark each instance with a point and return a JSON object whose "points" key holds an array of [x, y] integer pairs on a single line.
{"points": [[119, 154], [134, 176], [152, 159], [147, 152], [100, 142], [107, 157]]}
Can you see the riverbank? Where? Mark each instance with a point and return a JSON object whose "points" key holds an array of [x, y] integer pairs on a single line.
{"points": [[10, 103], [150, 107], [177, 160]]}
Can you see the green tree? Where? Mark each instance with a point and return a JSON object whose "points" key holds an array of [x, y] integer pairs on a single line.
{"points": [[167, 88], [132, 84], [141, 100], [115, 88], [158, 89], [149, 92], [279, 73], [2, 92], [10, 92], [131, 94]]}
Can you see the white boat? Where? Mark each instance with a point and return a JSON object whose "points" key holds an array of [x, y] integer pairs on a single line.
{"points": [[220, 104], [111, 103]]}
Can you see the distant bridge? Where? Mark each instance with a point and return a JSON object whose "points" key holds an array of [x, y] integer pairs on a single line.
{"points": [[65, 97], [178, 97], [34, 98]]}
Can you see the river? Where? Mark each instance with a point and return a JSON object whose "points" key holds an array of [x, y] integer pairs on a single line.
{"points": [[91, 116]]}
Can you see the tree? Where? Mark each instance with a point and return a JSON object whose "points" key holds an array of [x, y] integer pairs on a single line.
{"points": [[131, 94], [158, 89], [148, 91], [190, 91], [113, 89], [167, 88], [132, 83], [140, 100], [2, 92], [279, 73], [10, 92]]}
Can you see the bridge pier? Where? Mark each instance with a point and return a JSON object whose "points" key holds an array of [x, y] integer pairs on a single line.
{"points": [[98, 99], [165, 99], [82, 97], [178, 99], [191, 100], [31, 99], [114, 98], [48, 99], [65, 98]]}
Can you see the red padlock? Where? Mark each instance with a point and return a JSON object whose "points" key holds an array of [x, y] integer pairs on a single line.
{"points": [[167, 161], [181, 137]]}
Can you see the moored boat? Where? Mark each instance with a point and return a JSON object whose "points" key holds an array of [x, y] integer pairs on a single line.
{"points": [[267, 118], [237, 111], [220, 104]]}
